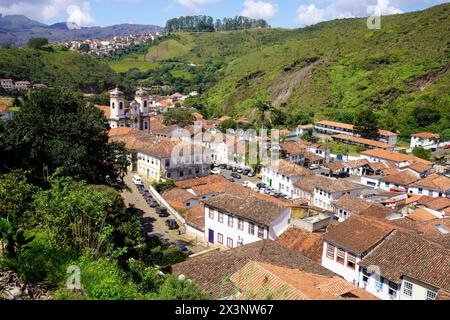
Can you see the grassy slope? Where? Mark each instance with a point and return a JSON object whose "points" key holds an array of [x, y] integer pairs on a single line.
{"points": [[356, 66], [55, 68]]}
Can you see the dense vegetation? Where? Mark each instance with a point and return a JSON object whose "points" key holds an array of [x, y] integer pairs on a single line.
{"points": [[328, 71], [207, 24], [56, 67], [60, 206]]}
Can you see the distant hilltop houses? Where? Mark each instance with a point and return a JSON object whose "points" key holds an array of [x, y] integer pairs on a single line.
{"points": [[10, 84], [99, 47]]}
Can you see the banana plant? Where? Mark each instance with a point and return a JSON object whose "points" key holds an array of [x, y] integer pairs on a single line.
{"points": [[16, 241]]}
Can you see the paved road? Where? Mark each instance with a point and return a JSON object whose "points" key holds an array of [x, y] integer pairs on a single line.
{"points": [[227, 174], [152, 223]]}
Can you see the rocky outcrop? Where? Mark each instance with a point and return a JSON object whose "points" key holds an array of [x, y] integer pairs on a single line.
{"points": [[11, 288]]}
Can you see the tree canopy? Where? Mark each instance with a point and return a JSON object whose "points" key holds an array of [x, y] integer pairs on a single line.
{"points": [[366, 123], [56, 129], [207, 24]]}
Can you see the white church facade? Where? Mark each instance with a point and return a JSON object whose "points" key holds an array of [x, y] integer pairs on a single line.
{"points": [[136, 115]]}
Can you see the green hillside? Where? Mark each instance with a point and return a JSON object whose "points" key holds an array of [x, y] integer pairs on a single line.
{"points": [[56, 68], [326, 71]]}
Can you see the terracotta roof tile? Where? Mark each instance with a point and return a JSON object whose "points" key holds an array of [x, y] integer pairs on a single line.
{"points": [[211, 271], [106, 110], [195, 216], [253, 208], [403, 178], [422, 215], [404, 254], [426, 135], [435, 182], [358, 234], [353, 204], [308, 244], [358, 140], [289, 169]]}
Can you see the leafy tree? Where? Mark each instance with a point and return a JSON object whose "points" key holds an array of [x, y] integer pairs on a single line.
{"points": [[264, 110], [228, 124], [37, 43], [309, 136], [77, 216], [423, 116], [56, 129], [85, 47], [16, 198], [178, 116], [366, 123], [445, 135], [163, 186], [180, 289], [15, 239], [422, 153]]}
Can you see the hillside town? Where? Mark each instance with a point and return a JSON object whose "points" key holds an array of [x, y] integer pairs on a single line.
{"points": [[107, 47], [221, 166], [342, 221]]}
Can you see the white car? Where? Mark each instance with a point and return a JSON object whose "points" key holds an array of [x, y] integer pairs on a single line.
{"points": [[137, 180], [216, 171]]}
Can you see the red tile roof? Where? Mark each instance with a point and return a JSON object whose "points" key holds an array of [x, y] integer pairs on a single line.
{"points": [[358, 234], [403, 254], [195, 216], [308, 244], [211, 271], [434, 182], [106, 110]]}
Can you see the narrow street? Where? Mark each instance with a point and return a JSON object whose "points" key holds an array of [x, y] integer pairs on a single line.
{"points": [[152, 223]]}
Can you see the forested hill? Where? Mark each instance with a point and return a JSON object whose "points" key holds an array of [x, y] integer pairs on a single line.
{"points": [[57, 68], [326, 71], [330, 70]]}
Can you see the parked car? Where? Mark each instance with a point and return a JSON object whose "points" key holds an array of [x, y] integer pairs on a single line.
{"points": [[223, 166], [172, 224], [229, 167], [137, 181], [153, 204], [259, 176], [239, 170], [314, 167], [236, 175], [231, 180], [234, 169], [162, 212], [261, 185], [216, 171]]}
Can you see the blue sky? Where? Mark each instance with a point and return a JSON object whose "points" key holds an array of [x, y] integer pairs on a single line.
{"points": [[279, 13]]}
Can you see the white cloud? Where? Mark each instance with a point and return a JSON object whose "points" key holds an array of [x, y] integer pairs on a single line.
{"points": [[48, 10], [259, 9], [80, 14], [338, 9], [307, 15], [194, 5]]}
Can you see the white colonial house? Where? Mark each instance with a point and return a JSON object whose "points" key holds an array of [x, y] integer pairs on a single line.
{"points": [[281, 175], [405, 267], [233, 221], [161, 158], [425, 140], [7, 84], [330, 190], [334, 128], [435, 185]]}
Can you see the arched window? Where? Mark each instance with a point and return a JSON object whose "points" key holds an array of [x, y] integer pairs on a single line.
{"points": [[145, 104], [113, 105], [145, 125], [120, 105]]}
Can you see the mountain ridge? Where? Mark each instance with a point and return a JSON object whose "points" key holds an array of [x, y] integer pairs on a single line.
{"points": [[15, 30]]}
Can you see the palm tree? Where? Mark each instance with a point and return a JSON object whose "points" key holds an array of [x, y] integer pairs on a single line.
{"points": [[265, 109]]}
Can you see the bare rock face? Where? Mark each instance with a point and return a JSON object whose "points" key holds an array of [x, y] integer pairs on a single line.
{"points": [[11, 288]]}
